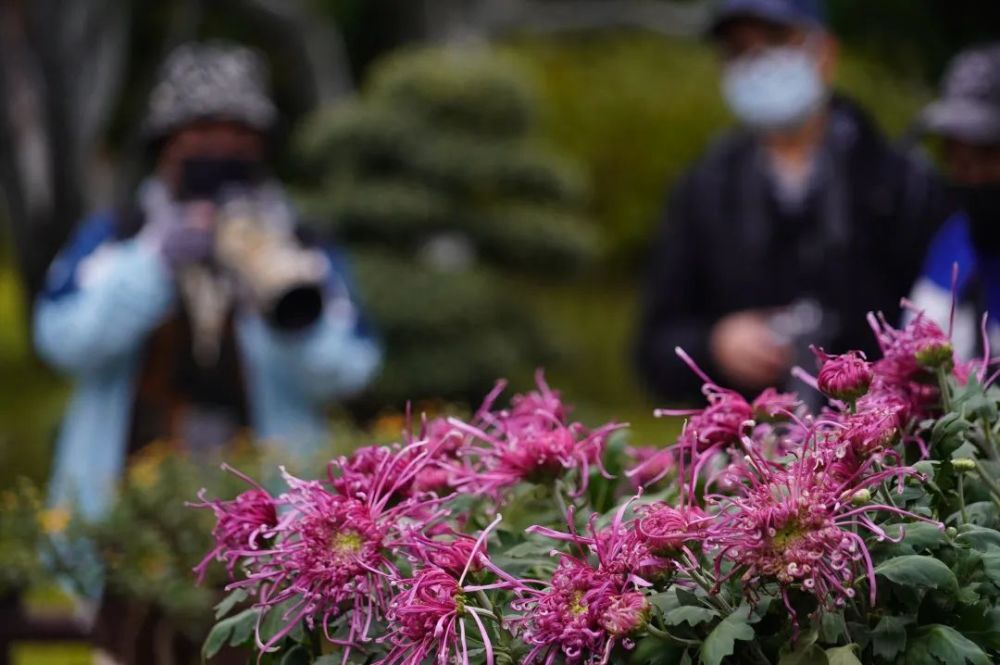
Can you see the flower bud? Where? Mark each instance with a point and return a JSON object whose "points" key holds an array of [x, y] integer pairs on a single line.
{"points": [[626, 614], [963, 464], [936, 354], [845, 377], [861, 498]]}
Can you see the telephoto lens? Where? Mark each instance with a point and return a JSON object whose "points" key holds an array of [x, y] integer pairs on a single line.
{"points": [[284, 279]]}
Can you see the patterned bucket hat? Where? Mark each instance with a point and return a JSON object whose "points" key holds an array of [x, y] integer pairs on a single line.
{"points": [[969, 106], [210, 81]]}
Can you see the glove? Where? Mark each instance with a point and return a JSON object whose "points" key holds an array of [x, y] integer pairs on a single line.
{"points": [[189, 241]]}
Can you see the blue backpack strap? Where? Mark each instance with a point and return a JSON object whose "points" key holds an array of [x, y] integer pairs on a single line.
{"points": [[61, 279]]}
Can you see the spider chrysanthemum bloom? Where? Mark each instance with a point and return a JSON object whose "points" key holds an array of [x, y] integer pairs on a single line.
{"points": [[587, 609], [845, 377], [331, 555], [428, 616], [530, 442], [667, 530], [582, 614], [240, 524], [793, 526]]}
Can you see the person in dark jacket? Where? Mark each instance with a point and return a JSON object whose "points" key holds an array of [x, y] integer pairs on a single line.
{"points": [[791, 227]]}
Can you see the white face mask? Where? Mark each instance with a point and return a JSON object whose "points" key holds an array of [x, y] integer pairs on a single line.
{"points": [[776, 89]]}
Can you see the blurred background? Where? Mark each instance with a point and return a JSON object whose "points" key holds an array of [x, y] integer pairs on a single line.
{"points": [[585, 111], [492, 170]]}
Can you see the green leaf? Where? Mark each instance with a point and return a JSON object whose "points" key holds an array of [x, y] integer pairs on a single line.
{"points": [[991, 565], [978, 537], [937, 643], [653, 651], [690, 614], [922, 572], [832, 627], [803, 651], [229, 602], [809, 655], [328, 659], [231, 629], [923, 536], [722, 640], [529, 548], [297, 655], [889, 637], [842, 655]]}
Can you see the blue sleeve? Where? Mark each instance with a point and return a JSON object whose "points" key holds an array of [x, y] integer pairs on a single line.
{"points": [[83, 324], [952, 244]]}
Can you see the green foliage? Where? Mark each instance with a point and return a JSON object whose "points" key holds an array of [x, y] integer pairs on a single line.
{"points": [[437, 181], [22, 528]]}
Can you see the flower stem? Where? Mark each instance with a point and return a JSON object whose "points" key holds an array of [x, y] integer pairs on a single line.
{"points": [[961, 498], [944, 389], [663, 634], [991, 443]]}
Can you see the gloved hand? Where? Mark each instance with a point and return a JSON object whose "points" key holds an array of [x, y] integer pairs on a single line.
{"points": [[191, 240]]}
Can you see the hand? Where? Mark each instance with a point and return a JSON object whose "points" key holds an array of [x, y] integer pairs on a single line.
{"points": [[191, 241], [746, 351]]}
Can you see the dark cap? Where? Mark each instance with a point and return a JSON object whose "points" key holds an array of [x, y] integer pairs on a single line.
{"points": [[969, 106], [799, 13], [210, 81]]}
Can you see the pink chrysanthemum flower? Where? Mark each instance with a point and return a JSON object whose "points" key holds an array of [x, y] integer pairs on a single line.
{"points": [[585, 610], [427, 618], [649, 465], [331, 554], [771, 406], [240, 524], [581, 615], [793, 527], [532, 442], [845, 377], [667, 530]]}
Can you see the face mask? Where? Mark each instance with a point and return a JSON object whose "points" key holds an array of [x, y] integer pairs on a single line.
{"points": [[777, 89], [205, 178], [982, 205]]}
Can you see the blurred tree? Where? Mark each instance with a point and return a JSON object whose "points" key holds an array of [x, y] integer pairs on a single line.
{"points": [[435, 181]]}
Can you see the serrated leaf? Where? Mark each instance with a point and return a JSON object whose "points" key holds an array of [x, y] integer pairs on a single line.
{"points": [[889, 637], [227, 631], [843, 655], [922, 572], [721, 642], [690, 614], [937, 643], [229, 602]]}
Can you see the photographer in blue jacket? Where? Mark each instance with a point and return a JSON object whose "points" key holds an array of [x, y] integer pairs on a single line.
{"points": [[203, 312]]}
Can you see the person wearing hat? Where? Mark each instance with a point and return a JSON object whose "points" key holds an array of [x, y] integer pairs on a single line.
{"points": [[791, 227], [966, 119], [163, 326]]}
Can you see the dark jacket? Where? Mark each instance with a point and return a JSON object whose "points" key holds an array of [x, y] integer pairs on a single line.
{"points": [[725, 244]]}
